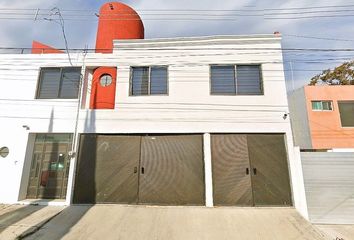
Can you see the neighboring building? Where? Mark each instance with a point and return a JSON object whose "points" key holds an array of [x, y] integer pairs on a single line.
{"points": [[178, 121], [323, 117]]}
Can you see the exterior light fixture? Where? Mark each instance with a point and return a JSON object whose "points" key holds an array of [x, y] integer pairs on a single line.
{"points": [[4, 151]]}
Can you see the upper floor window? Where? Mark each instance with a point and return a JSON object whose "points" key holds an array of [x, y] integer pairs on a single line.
{"points": [[148, 81], [236, 80], [346, 111], [59, 83], [322, 105]]}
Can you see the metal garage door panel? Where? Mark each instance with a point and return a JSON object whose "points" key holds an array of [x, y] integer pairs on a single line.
{"points": [[270, 174], [107, 169], [172, 170], [231, 178]]}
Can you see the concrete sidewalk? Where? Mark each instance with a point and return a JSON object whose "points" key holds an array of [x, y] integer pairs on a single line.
{"points": [[172, 223], [18, 220]]}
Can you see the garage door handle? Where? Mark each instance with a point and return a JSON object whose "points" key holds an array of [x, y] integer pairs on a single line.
{"points": [[135, 169], [247, 171], [142, 170], [255, 171]]}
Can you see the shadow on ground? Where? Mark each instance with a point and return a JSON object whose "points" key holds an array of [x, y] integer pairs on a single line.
{"points": [[11, 214], [59, 226], [19, 220]]}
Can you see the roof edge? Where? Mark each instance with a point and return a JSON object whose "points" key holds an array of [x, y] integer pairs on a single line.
{"points": [[201, 39]]}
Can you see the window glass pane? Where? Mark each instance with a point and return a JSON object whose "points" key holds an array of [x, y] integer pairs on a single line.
{"points": [[49, 83], [327, 105], [248, 80], [140, 79], [223, 80], [57, 137], [70, 83], [316, 105], [346, 110], [158, 80]]}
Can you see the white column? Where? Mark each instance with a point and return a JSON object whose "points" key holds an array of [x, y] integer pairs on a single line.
{"points": [[76, 136], [71, 179], [208, 171]]}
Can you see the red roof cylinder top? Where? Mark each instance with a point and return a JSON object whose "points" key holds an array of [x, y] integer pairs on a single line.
{"points": [[117, 21]]}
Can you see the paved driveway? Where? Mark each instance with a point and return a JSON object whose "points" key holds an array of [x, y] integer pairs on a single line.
{"points": [[340, 231], [171, 223]]}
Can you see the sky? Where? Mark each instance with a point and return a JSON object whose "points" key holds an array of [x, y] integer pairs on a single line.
{"points": [[299, 67]]}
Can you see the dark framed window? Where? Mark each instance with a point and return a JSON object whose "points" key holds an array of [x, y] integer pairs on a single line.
{"points": [[236, 80], [321, 105], [346, 111], [59, 83], [149, 81]]}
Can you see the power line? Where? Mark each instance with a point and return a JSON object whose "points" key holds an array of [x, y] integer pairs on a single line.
{"points": [[207, 48], [319, 38], [56, 12], [194, 10], [307, 17], [182, 14], [190, 19]]}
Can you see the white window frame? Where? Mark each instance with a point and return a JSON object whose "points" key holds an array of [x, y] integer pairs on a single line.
{"points": [[322, 110]]}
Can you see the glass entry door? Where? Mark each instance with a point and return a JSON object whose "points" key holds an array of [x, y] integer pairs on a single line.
{"points": [[50, 166]]}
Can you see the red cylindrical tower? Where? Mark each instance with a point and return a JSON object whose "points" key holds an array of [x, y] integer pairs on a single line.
{"points": [[117, 21]]}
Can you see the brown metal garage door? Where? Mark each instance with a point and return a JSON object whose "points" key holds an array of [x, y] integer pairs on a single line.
{"points": [[270, 173], [158, 169], [231, 170], [250, 170], [107, 170], [172, 171]]}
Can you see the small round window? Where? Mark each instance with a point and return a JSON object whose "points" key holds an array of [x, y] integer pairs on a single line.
{"points": [[105, 80], [4, 151]]}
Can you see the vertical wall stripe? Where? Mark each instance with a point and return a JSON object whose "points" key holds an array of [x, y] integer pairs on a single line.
{"points": [[208, 171]]}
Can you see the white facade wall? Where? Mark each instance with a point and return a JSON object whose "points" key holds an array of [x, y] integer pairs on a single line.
{"points": [[188, 108], [329, 184], [299, 119]]}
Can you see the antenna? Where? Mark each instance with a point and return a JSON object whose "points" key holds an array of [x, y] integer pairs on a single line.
{"points": [[56, 12]]}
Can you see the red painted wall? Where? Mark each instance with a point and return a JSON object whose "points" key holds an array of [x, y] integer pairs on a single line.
{"points": [[103, 97], [39, 48], [117, 21]]}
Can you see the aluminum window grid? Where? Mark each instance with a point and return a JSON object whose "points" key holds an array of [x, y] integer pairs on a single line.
{"points": [[39, 81], [261, 85], [149, 81]]}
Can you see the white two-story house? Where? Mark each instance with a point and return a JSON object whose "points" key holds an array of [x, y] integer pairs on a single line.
{"points": [[179, 121]]}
